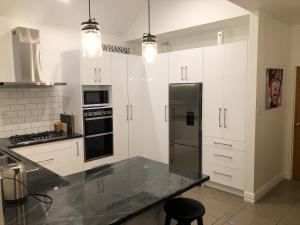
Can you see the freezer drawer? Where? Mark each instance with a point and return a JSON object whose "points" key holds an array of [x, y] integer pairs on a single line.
{"points": [[185, 157]]}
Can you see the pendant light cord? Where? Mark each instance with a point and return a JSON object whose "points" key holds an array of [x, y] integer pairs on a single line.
{"points": [[149, 16], [89, 9]]}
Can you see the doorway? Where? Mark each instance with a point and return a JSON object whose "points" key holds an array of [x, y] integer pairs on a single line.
{"points": [[296, 150]]}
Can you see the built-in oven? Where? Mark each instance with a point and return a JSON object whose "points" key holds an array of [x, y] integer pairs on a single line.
{"points": [[95, 97], [98, 133]]}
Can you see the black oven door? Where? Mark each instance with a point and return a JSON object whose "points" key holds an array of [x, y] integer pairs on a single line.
{"points": [[98, 125], [99, 97], [98, 146]]}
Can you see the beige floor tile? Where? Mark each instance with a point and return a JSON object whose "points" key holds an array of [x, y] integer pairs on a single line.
{"points": [[248, 217], [293, 216], [207, 220], [217, 203]]}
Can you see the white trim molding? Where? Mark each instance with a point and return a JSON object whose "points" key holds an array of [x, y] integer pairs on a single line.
{"points": [[254, 197]]}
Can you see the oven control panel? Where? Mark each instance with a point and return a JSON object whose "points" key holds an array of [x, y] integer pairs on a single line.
{"points": [[97, 112]]}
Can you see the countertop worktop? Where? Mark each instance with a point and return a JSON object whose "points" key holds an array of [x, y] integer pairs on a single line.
{"points": [[6, 142], [111, 194]]}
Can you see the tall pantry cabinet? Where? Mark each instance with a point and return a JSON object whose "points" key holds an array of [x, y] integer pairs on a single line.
{"points": [[155, 133], [127, 72], [224, 104]]}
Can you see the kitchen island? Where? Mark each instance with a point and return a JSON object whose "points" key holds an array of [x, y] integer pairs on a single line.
{"points": [[113, 194]]}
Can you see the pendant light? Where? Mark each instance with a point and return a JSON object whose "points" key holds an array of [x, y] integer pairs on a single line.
{"points": [[149, 43], [91, 41]]}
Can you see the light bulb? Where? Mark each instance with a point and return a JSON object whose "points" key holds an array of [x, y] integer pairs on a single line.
{"points": [[149, 51], [91, 43]]}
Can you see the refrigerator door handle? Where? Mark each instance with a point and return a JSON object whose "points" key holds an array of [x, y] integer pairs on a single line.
{"points": [[220, 109], [131, 112]]}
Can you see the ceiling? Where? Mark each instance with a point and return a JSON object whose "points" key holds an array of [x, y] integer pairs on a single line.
{"points": [[287, 11], [114, 16]]}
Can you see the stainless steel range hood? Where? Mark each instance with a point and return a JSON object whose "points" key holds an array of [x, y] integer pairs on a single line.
{"points": [[27, 59]]}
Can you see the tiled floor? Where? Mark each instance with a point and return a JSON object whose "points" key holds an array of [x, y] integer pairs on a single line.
{"points": [[281, 206]]}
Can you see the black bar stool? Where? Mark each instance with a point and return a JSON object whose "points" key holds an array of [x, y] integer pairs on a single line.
{"points": [[184, 211]]}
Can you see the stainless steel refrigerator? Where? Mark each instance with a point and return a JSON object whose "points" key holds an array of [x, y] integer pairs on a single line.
{"points": [[185, 105]]}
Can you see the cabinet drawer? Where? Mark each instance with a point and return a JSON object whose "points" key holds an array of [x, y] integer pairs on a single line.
{"points": [[53, 160], [223, 157], [222, 143], [45, 147], [225, 176]]}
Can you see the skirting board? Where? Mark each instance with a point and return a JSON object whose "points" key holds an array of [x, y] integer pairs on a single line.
{"points": [[254, 197], [224, 188]]}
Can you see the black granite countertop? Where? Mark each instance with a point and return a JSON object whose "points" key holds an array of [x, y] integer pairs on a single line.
{"points": [[65, 136], [111, 194]]}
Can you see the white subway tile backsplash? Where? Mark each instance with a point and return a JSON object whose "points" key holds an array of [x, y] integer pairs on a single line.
{"points": [[29, 110]]}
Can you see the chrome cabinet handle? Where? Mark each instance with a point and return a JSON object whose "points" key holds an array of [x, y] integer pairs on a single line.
{"points": [[127, 110], [95, 73], [166, 113], [223, 174], [220, 117], [131, 112], [219, 143], [100, 75], [297, 124], [225, 110], [186, 73], [223, 156], [77, 148], [181, 73], [47, 161]]}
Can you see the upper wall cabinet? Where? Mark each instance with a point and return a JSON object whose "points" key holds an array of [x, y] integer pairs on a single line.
{"points": [[96, 71], [186, 66]]}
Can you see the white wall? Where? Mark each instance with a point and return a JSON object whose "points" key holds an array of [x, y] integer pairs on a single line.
{"points": [[273, 52], [171, 15]]}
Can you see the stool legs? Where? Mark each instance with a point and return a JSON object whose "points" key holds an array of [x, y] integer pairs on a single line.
{"points": [[168, 220], [200, 221]]}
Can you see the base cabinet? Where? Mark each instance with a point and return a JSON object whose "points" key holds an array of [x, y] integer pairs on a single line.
{"points": [[61, 157]]}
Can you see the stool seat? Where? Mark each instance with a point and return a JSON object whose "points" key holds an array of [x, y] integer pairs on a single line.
{"points": [[184, 210]]}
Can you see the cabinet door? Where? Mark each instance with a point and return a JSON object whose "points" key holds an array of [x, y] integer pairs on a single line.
{"points": [[155, 110], [77, 153], [89, 71], [235, 70], [193, 71], [104, 69], [120, 106], [186, 66], [135, 71], [213, 91], [176, 67]]}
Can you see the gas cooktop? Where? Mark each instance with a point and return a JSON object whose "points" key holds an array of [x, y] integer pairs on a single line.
{"points": [[35, 137]]}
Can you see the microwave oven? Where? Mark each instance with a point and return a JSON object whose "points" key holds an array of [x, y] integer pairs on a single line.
{"points": [[95, 98]]}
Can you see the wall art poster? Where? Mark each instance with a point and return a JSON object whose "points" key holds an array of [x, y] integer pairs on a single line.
{"points": [[273, 88]]}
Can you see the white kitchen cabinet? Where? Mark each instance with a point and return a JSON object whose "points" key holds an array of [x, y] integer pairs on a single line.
{"points": [[224, 91], [224, 104], [96, 71], [127, 73], [120, 104], [155, 110], [234, 89], [213, 91], [62, 157], [135, 72], [186, 66]]}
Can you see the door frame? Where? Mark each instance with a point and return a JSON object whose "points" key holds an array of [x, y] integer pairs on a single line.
{"points": [[294, 88]]}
